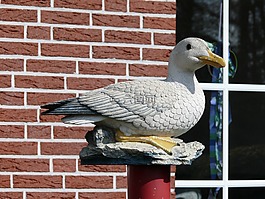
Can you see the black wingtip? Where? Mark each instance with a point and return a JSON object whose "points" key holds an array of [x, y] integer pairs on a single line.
{"points": [[53, 106]]}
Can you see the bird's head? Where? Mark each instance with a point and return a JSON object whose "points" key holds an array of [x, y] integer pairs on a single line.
{"points": [[191, 54]]}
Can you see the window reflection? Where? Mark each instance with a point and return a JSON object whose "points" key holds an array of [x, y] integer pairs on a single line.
{"points": [[247, 193], [196, 193], [246, 135], [247, 39]]}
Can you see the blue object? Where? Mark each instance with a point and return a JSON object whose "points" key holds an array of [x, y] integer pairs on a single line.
{"points": [[216, 120]]}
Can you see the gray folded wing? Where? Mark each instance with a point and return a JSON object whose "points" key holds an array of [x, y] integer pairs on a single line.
{"points": [[147, 104]]}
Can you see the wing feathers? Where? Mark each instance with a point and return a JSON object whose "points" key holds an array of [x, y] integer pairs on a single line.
{"points": [[66, 107], [119, 101]]}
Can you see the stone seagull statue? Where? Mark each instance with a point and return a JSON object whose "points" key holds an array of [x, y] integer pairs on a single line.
{"points": [[148, 111]]}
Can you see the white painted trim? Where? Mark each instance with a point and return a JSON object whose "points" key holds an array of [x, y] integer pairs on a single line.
{"points": [[225, 99], [63, 182], [61, 190], [86, 27], [25, 32], [147, 62], [128, 45], [69, 75], [51, 165], [41, 140], [103, 5], [79, 173], [44, 124], [52, 3], [219, 183], [38, 15]]}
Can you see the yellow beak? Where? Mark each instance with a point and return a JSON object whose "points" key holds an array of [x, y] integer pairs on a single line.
{"points": [[213, 60]]}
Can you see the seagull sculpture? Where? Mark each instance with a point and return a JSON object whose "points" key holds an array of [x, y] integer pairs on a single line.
{"points": [[148, 111]]}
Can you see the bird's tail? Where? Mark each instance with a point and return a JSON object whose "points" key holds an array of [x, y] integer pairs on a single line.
{"points": [[66, 107]]}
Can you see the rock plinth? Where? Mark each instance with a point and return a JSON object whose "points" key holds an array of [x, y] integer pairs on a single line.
{"points": [[103, 149]]}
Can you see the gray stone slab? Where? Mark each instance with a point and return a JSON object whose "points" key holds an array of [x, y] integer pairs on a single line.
{"points": [[103, 149]]}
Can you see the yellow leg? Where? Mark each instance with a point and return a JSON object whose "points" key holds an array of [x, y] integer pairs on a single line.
{"points": [[165, 143]]}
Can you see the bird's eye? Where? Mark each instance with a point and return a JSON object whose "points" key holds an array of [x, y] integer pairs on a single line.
{"points": [[188, 47]]}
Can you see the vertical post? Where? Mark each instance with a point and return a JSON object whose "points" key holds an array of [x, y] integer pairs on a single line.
{"points": [[225, 97], [148, 181]]}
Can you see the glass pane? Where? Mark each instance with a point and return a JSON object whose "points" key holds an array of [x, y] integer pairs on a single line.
{"points": [[247, 39], [200, 168], [199, 18], [247, 193], [246, 134], [198, 193]]}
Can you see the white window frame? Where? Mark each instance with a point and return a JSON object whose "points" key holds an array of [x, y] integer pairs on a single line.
{"points": [[225, 87]]}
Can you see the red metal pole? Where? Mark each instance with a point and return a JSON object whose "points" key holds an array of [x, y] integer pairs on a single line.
{"points": [[148, 181]]}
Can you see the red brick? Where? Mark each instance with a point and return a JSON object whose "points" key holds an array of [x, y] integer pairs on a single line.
{"points": [[82, 4], [172, 182], [155, 7], [18, 48], [121, 182], [97, 68], [48, 82], [39, 132], [50, 195], [7, 14], [11, 31], [51, 118], [5, 81], [89, 182], [156, 54], [18, 115], [64, 17], [87, 83], [11, 98], [160, 23], [4, 181], [24, 165], [38, 32], [148, 70], [127, 37], [173, 169], [101, 195], [11, 64], [43, 98], [77, 34], [11, 195], [111, 52], [35, 181], [11, 131], [116, 20], [165, 39], [59, 148], [65, 50], [116, 5], [62, 132], [64, 165], [18, 148], [101, 168], [51, 66], [38, 3]]}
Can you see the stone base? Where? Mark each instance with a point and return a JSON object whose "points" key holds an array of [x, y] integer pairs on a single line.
{"points": [[103, 149]]}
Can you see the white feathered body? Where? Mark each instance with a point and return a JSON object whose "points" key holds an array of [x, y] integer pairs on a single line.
{"points": [[149, 107]]}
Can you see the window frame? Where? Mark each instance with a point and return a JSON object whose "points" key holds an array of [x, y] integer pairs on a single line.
{"points": [[225, 87]]}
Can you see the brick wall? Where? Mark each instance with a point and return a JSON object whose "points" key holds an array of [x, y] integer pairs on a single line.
{"points": [[57, 49]]}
